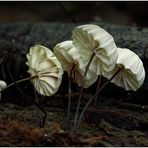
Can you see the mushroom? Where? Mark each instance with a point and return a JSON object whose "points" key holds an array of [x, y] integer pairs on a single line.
{"points": [[98, 50], [92, 40], [128, 73], [46, 69], [73, 64], [132, 73], [46, 74]]}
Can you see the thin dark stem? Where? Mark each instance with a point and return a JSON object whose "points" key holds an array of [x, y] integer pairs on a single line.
{"points": [[97, 89], [83, 111], [90, 100], [69, 98], [81, 91], [77, 109], [0, 106], [19, 81], [42, 124], [102, 87]]}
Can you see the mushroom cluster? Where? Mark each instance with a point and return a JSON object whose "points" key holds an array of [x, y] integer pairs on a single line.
{"points": [[93, 52], [92, 39]]}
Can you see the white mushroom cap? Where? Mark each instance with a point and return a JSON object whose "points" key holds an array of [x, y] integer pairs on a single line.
{"points": [[69, 56], [3, 85], [132, 75], [45, 65], [61, 51], [92, 38]]}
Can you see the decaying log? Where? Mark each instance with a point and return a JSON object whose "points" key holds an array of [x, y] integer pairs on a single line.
{"points": [[119, 118], [17, 38], [20, 36]]}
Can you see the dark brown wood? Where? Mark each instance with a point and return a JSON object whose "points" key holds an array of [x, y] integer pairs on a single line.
{"points": [[119, 117]]}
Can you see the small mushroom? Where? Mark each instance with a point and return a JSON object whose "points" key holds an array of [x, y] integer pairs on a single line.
{"points": [[73, 64], [132, 73], [94, 40], [70, 59], [98, 50], [46, 69]]}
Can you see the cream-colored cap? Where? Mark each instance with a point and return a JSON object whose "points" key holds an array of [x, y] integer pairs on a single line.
{"points": [[90, 39], [45, 65], [132, 75]]}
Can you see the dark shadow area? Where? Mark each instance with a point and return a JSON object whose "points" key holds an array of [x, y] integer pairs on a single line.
{"points": [[125, 13]]}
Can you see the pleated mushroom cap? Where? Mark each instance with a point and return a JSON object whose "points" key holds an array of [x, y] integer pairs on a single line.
{"points": [[132, 75], [69, 56], [92, 38], [43, 64]]}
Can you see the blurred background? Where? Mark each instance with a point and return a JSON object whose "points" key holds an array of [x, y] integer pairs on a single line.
{"points": [[125, 13]]}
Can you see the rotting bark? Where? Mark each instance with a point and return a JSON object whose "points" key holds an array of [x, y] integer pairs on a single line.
{"points": [[120, 118], [20, 36], [20, 123]]}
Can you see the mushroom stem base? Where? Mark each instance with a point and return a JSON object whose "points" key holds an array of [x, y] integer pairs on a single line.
{"points": [[92, 98]]}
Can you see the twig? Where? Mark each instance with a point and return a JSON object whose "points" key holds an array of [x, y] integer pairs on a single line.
{"points": [[136, 107]]}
